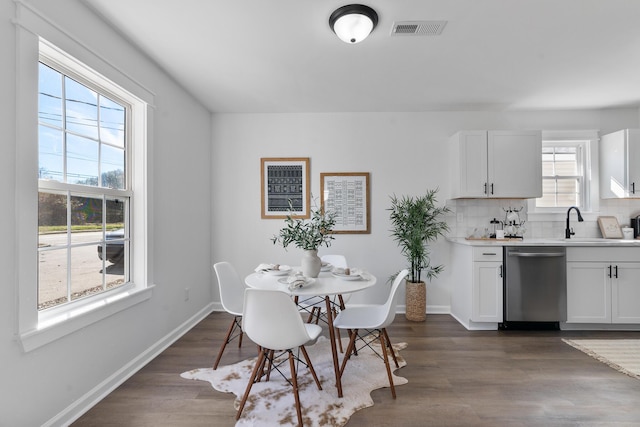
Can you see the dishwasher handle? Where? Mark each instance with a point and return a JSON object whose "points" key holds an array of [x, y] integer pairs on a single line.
{"points": [[537, 254]]}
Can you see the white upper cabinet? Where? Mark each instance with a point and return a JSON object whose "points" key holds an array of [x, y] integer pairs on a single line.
{"points": [[500, 164], [620, 164]]}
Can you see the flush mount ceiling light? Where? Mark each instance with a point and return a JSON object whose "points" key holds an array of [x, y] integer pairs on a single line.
{"points": [[353, 23]]}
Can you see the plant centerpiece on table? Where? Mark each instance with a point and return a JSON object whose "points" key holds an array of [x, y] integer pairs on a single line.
{"points": [[308, 235], [417, 222]]}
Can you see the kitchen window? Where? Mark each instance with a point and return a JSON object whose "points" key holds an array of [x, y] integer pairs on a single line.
{"points": [[566, 172], [562, 175]]}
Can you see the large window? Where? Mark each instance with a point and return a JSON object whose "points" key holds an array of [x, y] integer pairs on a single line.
{"points": [[83, 248], [564, 181], [83, 191]]}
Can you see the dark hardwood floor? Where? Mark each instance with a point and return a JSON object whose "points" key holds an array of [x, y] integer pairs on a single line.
{"points": [[456, 378]]}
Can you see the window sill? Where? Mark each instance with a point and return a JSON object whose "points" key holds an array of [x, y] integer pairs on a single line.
{"points": [[56, 327]]}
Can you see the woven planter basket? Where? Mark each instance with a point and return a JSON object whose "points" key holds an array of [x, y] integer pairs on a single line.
{"points": [[416, 301]]}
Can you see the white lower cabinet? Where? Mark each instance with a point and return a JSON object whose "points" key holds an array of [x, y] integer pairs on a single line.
{"points": [[476, 286], [487, 286], [603, 285]]}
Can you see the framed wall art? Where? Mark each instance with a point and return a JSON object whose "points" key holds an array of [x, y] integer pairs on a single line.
{"points": [[285, 180], [609, 227], [347, 194]]}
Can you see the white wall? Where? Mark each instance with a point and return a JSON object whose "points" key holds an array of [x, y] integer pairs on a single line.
{"points": [[51, 383], [406, 153]]}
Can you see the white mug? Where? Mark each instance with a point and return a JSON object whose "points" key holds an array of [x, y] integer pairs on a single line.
{"points": [[499, 234]]}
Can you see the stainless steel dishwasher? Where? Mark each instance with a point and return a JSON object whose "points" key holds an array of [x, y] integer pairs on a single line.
{"points": [[535, 287]]}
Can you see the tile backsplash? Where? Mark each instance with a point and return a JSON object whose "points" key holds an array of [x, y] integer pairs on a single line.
{"points": [[468, 215]]}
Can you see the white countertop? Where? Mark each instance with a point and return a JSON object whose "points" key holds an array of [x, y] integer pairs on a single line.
{"points": [[574, 241]]}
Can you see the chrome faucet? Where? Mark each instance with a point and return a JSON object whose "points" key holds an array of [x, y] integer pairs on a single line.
{"points": [[568, 232]]}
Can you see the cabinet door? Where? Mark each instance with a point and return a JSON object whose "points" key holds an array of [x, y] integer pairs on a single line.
{"points": [[613, 154], [588, 292], [514, 163], [471, 164], [633, 163], [625, 293], [487, 292]]}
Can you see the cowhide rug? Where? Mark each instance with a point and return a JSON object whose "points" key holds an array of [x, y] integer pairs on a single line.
{"points": [[272, 403]]}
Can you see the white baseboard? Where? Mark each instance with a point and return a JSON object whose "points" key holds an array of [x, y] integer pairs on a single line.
{"points": [[431, 309], [99, 392]]}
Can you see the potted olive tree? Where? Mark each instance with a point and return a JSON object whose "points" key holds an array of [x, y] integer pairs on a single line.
{"points": [[417, 222], [308, 235]]}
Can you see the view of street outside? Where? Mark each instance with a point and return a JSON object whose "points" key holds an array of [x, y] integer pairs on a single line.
{"points": [[86, 269]]}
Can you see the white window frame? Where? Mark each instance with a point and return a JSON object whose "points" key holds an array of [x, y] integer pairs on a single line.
{"points": [[588, 140], [33, 328], [582, 154]]}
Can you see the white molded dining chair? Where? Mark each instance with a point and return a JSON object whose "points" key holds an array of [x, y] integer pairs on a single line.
{"points": [[374, 319], [271, 320], [232, 299]]}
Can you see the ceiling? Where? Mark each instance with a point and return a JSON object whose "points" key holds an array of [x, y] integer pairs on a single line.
{"points": [[257, 56]]}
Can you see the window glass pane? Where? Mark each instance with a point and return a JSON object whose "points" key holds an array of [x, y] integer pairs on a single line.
{"points": [[567, 186], [114, 274], [50, 154], [111, 122], [112, 167], [548, 186], [52, 278], [82, 161], [49, 96], [52, 219], [86, 272], [547, 169], [86, 219], [566, 200], [115, 214], [81, 109]]}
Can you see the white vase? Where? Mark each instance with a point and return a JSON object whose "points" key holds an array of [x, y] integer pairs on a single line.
{"points": [[311, 263]]}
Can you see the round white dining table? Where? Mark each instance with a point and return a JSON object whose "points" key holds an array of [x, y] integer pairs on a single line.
{"points": [[325, 285]]}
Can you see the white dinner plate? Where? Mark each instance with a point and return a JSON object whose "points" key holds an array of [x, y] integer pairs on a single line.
{"points": [[347, 276], [282, 271], [308, 281]]}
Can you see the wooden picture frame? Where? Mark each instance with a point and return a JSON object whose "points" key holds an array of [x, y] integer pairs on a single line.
{"points": [[609, 227], [347, 194], [284, 179]]}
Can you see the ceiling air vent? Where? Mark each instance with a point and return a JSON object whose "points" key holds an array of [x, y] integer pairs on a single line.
{"points": [[418, 28]]}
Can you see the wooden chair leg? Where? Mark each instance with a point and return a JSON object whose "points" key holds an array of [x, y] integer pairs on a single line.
{"points": [[390, 346], [350, 348], [232, 326], [270, 366], [383, 344], [310, 365], [338, 337], [261, 371], [254, 375], [294, 383]]}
